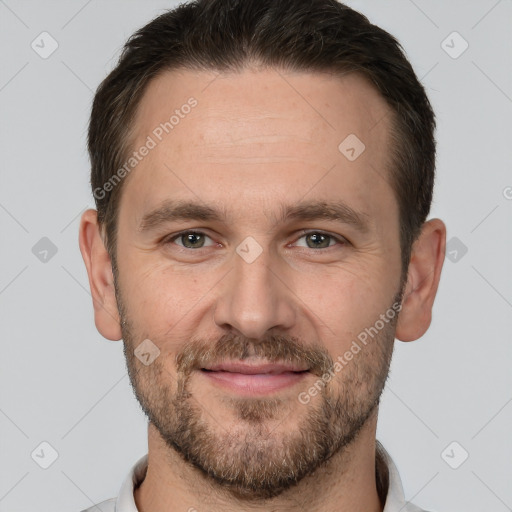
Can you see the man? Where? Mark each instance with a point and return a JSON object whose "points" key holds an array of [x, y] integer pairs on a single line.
{"points": [[263, 171]]}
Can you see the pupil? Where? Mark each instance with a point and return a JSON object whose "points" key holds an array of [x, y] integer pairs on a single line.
{"points": [[193, 239], [319, 240]]}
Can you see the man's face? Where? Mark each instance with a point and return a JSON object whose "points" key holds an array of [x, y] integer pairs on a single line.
{"points": [[283, 249]]}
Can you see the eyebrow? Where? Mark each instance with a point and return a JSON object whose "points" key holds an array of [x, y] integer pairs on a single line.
{"points": [[171, 210], [335, 211]]}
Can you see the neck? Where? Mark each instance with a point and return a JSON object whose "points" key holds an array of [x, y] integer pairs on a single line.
{"points": [[347, 482]]}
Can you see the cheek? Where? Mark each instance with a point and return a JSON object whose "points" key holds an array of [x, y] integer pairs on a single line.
{"points": [[343, 304], [160, 297]]}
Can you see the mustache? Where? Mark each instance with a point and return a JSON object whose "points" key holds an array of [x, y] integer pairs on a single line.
{"points": [[274, 348]]}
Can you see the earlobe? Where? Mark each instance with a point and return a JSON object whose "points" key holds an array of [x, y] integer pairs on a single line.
{"points": [[427, 258], [101, 281]]}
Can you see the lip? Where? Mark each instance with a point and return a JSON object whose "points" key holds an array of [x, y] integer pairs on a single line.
{"points": [[254, 379], [254, 369]]}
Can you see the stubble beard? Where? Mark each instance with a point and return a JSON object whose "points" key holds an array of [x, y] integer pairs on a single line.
{"points": [[253, 461]]}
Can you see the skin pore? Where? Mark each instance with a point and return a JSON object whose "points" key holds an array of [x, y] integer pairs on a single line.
{"points": [[258, 157]]}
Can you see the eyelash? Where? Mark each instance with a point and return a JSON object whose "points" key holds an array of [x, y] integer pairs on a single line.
{"points": [[340, 240]]}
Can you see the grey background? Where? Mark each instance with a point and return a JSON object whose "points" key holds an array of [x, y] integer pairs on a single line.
{"points": [[62, 383]]}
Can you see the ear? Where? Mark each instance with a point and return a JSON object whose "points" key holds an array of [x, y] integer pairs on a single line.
{"points": [[101, 279], [427, 258]]}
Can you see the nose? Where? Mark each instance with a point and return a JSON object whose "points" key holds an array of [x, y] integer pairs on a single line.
{"points": [[254, 298]]}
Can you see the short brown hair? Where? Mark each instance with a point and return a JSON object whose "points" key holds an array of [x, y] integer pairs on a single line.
{"points": [[298, 35]]}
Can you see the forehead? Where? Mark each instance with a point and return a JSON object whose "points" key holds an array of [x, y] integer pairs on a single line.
{"points": [[325, 104], [270, 133]]}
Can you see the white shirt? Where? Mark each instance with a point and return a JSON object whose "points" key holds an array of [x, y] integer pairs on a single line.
{"points": [[125, 502]]}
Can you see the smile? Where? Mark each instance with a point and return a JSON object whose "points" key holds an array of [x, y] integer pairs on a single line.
{"points": [[247, 379]]}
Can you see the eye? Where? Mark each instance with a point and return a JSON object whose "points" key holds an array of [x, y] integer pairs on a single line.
{"points": [[191, 240], [319, 240]]}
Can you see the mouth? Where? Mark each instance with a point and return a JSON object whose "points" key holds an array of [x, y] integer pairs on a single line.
{"points": [[254, 379]]}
